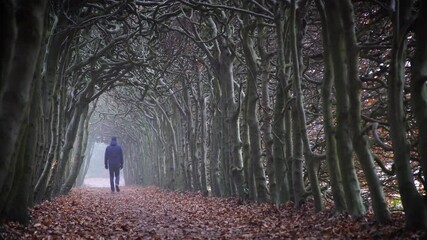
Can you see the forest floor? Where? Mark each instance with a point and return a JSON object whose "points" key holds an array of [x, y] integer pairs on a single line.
{"points": [[152, 213]]}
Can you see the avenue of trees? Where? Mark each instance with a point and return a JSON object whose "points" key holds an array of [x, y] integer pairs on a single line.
{"points": [[263, 100]]}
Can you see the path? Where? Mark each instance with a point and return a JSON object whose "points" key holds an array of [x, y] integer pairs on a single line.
{"points": [[151, 213]]}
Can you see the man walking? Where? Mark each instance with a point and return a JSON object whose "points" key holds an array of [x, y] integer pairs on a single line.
{"points": [[114, 162]]}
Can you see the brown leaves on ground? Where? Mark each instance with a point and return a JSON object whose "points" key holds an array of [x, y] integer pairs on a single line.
{"points": [[152, 213]]}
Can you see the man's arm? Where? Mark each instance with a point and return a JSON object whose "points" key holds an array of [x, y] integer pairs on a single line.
{"points": [[106, 158], [121, 158]]}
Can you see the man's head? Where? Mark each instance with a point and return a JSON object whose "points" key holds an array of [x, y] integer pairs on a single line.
{"points": [[113, 141]]}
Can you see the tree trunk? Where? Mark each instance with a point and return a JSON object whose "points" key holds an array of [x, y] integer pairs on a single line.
{"points": [[360, 143], [254, 132], [203, 129], [215, 154], [54, 48], [37, 152], [86, 162], [300, 120], [19, 197], [78, 153], [169, 163], [61, 124], [412, 201], [331, 148], [297, 162], [339, 58], [247, 165], [40, 188], [280, 147], [64, 156], [16, 179], [419, 87], [232, 151], [171, 150], [14, 95], [191, 137], [7, 41], [266, 112], [226, 148]]}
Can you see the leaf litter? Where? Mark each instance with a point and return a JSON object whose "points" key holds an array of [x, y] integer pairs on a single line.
{"points": [[153, 213]]}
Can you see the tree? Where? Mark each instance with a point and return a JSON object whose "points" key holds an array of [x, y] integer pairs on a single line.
{"points": [[262, 193], [413, 203], [330, 140], [282, 142], [24, 34], [340, 70]]}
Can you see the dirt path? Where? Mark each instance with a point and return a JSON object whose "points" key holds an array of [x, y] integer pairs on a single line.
{"points": [[151, 213]]}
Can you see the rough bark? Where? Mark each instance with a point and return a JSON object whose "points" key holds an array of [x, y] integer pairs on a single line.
{"points": [[11, 191], [360, 142], [280, 147], [64, 156], [86, 162], [7, 41], [15, 93], [254, 131], [312, 161], [170, 133], [40, 187], [266, 111], [18, 198], [331, 148], [412, 201], [203, 128], [418, 85], [299, 191], [339, 58], [231, 121], [61, 94], [78, 154], [247, 165], [191, 138], [215, 142]]}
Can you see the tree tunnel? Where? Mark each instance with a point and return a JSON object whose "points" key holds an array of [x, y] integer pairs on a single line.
{"points": [[268, 101]]}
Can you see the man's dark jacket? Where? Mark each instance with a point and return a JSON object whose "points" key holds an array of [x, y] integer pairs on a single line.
{"points": [[114, 155]]}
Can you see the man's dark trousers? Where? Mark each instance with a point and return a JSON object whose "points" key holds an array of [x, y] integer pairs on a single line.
{"points": [[114, 172]]}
